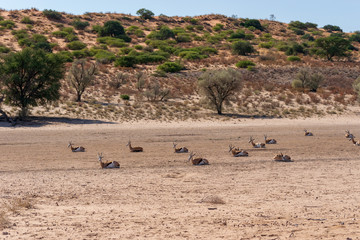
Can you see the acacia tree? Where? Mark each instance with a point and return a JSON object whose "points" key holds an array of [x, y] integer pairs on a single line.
{"points": [[219, 85], [31, 77], [333, 46], [145, 13], [81, 76]]}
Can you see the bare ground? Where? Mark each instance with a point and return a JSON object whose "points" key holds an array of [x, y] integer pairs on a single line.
{"points": [[157, 195]]}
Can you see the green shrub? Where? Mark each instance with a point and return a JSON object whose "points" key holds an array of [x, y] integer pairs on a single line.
{"points": [[81, 53], [96, 28], [154, 57], [125, 61], [113, 42], [244, 64], [125, 97], [59, 34], [69, 30], [237, 35], [114, 29], [308, 37], [218, 27], [297, 84], [297, 24], [79, 25], [4, 49], [71, 38], [192, 55], [170, 67], [76, 45], [332, 28], [253, 23], [267, 45], [199, 27], [294, 59], [145, 13], [20, 34], [66, 55], [138, 47], [242, 48], [8, 24], [105, 56], [190, 28], [163, 34], [52, 14], [27, 20], [183, 37]]}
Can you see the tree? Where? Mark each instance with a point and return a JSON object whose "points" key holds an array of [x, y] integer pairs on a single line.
{"points": [[332, 46], [31, 77], [114, 29], [145, 13], [219, 85], [306, 80], [81, 76], [242, 48]]}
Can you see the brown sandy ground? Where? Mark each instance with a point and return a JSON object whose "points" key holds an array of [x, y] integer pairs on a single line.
{"points": [[157, 195]]}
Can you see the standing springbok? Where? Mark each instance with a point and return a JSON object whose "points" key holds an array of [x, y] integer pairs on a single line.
{"points": [[180, 150], [76, 149], [348, 134], [197, 161], [282, 158], [256, 145], [236, 152], [134, 149], [269, 141], [113, 164], [356, 143], [308, 133]]}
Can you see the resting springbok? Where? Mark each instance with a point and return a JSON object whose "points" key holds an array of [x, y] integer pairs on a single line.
{"points": [[197, 161], [308, 133], [76, 149], [256, 145], [236, 152], [113, 164], [179, 150], [348, 134], [282, 158], [269, 141], [356, 143], [134, 149]]}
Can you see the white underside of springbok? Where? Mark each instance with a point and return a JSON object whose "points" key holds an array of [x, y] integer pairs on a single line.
{"points": [[272, 141], [77, 150], [258, 146], [241, 154], [182, 150], [112, 165]]}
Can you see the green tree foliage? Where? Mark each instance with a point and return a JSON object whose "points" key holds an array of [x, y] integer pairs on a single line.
{"points": [[170, 67], [145, 13], [219, 86], [332, 46], [76, 45], [244, 64], [332, 28], [79, 25], [253, 23], [31, 77], [81, 76], [164, 33], [304, 79], [114, 29], [242, 48], [52, 14]]}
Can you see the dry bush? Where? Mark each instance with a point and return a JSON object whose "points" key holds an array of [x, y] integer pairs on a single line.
{"points": [[299, 99], [4, 222], [340, 98], [19, 203], [212, 199], [314, 98]]}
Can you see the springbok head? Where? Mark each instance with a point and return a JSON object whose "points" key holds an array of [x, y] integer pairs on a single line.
{"points": [[129, 142], [231, 147], [191, 156], [174, 144], [251, 139], [100, 156], [70, 144]]}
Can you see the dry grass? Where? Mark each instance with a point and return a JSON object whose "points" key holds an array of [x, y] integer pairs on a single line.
{"points": [[18, 204], [213, 199], [4, 222]]}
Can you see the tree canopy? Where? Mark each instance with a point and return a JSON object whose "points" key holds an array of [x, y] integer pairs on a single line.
{"points": [[31, 77]]}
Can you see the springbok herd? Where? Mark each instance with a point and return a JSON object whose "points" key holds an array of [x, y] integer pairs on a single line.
{"points": [[236, 152]]}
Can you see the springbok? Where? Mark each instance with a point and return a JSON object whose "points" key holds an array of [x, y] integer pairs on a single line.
{"points": [[180, 150], [269, 141], [282, 158], [348, 134], [308, 133], [113, 164], [356, 143], [236, 152], [76, 149], [134, 149], [256, 145], [197, 161]]}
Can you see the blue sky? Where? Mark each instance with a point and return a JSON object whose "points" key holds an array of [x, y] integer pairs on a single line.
{"points": [[344, 14]]}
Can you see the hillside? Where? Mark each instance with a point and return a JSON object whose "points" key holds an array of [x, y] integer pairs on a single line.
{"points": [[198, 43]]}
